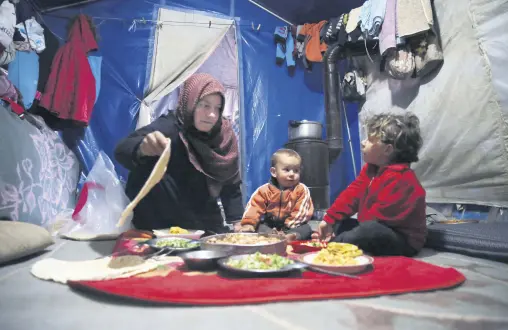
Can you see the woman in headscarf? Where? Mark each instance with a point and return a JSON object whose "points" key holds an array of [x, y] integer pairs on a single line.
{"points": [[203, 167]]}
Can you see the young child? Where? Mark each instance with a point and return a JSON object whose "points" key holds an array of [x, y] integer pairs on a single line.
{"points": [[387, 195], [284, 202]]}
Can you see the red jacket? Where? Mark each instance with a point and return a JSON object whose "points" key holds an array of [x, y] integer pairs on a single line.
{"points": [[70, 90], [391, 194]]}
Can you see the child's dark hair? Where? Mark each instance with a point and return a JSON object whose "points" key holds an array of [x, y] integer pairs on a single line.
{"points": [[401, 131], [284, 152]]}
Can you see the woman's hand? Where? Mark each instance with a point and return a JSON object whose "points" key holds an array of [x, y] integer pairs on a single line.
{"points": [[153, 144], [324, 231], [237, 226]]}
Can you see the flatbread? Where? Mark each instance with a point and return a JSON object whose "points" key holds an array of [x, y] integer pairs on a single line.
{"points": [[154, 178], [92, 270], [83, 235]]}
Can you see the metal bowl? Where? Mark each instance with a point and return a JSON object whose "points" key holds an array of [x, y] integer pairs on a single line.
{"points": [[202, 260], [278, 247]]}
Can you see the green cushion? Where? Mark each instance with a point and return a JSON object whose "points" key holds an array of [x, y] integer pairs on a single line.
{"points": [[21, 239]]}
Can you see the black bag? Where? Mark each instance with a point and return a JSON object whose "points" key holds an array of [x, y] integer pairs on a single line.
{"points": [[354, 84], [482, 240]]}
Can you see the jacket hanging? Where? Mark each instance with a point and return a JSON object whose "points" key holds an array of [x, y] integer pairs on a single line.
{"points": [[70, 90]]}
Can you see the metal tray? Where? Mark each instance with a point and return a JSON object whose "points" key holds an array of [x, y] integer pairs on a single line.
{"points": [[290, 268], [278, 247]]}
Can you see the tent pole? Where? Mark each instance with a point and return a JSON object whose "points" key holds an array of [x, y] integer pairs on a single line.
{"points": [[67, 6], [271, 12]]}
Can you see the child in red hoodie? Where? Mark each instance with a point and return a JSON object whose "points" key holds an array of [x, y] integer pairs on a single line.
{"points": [[387, 195]]}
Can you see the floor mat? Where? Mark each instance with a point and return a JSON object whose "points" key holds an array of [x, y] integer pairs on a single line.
{"points": [[390, 275]]}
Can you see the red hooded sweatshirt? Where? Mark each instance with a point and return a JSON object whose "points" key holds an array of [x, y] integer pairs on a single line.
{"points": [[391, 194], [70, 90]]}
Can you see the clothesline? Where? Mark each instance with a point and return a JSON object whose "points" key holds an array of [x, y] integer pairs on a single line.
{"points": [[135, 22]]}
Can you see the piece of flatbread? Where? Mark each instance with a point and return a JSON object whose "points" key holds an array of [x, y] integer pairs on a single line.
{"points": [[154, 178], [92, 270]]}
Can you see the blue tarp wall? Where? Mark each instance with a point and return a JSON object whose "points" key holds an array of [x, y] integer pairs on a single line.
{"points": [[270, 96]]}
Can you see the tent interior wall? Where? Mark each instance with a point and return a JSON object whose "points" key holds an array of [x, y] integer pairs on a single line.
{"points": [[269, 97]]}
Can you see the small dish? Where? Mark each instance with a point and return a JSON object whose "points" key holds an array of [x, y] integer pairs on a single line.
{"points": [[363, 262], [307, 246], [203, 259], [192, 234], [158, 244]]}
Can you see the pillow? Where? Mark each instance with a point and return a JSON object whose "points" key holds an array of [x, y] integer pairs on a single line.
{"points": [[20, 239], [38, 173]]}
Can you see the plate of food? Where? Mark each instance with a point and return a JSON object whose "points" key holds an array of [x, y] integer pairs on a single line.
{"points": [[260, 263], [338, 257], [307, 246], [176, 244], [178, 232], [245, 243]]}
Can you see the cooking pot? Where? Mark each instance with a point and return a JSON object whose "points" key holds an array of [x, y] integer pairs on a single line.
{"points": [[304, 129]]}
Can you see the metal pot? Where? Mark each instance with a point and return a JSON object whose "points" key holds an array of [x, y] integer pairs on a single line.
{"points": [[304, 129], [278, 247]]}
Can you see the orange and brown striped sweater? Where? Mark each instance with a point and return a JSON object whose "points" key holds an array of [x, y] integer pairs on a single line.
{"points": [[292, 204]]}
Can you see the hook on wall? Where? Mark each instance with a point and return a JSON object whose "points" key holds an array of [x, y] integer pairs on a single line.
{"points": [[255, 29]]}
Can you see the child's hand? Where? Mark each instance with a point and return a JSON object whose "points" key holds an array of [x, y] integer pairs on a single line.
{"points": [[237, 226], [324, 231], [247, 229]]}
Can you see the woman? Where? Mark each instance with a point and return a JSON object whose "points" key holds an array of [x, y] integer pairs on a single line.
{"points": [[203, 165]]}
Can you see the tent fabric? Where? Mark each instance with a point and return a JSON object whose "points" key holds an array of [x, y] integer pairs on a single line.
{"points": [[223, 65], [171, 67], [268, 96], [462, 107]]}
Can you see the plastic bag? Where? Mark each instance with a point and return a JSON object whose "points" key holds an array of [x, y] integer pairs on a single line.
{"points": [[99, 206], [33, 32]]}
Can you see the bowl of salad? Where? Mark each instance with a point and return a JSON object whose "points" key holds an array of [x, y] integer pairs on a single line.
{"points": [[173, 244], [260, 264]]}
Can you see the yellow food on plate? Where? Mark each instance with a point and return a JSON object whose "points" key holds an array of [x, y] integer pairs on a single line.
{"points": [[178, 230], [338, 254]]}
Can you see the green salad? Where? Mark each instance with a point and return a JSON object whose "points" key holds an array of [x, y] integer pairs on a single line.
{"points": [[176, 243], [259, 261]]}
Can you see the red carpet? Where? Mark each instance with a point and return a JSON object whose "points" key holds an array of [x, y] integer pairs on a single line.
{"points": [[391, 275]]}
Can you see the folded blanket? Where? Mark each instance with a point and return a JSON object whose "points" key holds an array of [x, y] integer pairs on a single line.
{"points": [[413, 17]]}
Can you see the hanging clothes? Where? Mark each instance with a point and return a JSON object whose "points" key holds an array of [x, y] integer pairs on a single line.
{"points": [[7, 89], [354, 19], [334, 32], [46, 57], [24, 10], [285, 46], [7, 23], [70, 90], [8, 54], [387, 36], [372, 16], [95, 62], [314, 46], [24, 74]]}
